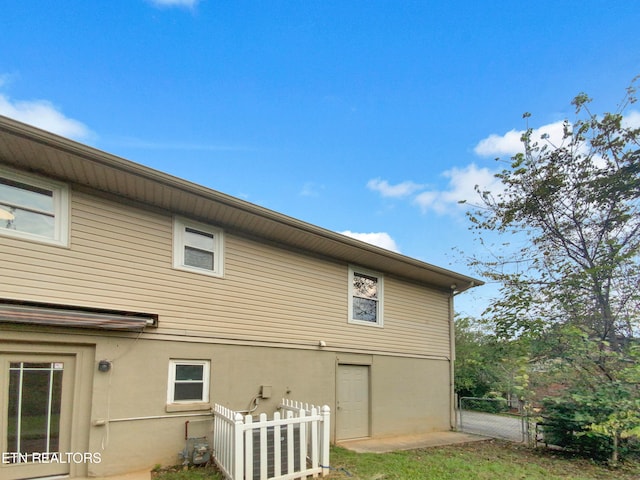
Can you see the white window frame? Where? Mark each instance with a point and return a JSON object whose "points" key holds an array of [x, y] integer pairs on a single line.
{"points": [[379, 302], [179, 226], [60, 196], [206, 373]]}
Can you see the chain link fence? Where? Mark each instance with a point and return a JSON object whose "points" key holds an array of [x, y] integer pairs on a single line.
{"points": [[493, 417]]}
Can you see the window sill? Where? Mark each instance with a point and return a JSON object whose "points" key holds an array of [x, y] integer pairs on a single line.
{"points": [[61, 241], [201, 271], [365, 323], [187, 407]]}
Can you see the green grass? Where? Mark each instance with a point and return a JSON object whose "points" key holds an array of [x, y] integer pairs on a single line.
{"points": [[490, 460], [196, 473]]}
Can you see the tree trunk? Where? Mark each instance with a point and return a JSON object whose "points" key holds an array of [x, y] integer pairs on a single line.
{"points": [[614, 453]]}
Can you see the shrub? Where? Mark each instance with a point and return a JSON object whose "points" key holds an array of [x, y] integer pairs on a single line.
{"points": [[489, 405], [568, 422]]}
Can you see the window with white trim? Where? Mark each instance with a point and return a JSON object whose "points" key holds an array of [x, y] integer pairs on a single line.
{"points": [[188, 381], [198, 247], [365, 297], [33, 208]]}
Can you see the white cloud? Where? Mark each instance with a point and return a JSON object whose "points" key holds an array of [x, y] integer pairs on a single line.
{"points": [[310, 189], [399, 190], [43, 114], [460, 187], [462, 183], [494, 144], [510, 143], [380, 239], [632, 120], [553, 133], [175, 3]]}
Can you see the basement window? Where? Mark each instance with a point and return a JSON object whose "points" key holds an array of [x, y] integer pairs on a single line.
{"points": [[188, 384]]}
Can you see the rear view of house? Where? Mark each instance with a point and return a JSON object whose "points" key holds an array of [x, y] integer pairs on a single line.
{"points": [[131, 301]]}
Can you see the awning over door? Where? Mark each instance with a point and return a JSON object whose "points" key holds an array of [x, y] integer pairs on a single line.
{"points": [[74, 317]]}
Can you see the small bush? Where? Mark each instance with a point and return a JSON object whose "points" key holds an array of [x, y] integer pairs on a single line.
{"points": [[567, 423], [488, 405]]}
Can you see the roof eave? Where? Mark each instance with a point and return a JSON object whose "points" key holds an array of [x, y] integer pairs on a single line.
{"points": [[31, 145]]}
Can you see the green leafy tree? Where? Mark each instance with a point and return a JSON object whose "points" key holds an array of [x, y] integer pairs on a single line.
{"points": [[598, 414], [487, 366], [475, 372], [570, 274]]}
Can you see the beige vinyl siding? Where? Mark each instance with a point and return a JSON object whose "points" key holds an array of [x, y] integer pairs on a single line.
{"points": [[120, 257], [417, 315]]}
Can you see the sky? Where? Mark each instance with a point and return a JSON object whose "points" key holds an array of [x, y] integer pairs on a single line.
{"points": [[370, 118]]}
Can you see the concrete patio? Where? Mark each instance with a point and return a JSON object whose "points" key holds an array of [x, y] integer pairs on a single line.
{"points": [[409, 442]]}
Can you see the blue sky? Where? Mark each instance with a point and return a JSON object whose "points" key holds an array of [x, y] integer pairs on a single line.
{"points": [[368, 117]]}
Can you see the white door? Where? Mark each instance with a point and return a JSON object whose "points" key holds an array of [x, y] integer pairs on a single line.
{"points": [[36, 393], [352, 402]]}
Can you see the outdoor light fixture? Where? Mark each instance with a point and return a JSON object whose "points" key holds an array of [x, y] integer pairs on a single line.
{"points": [[104, 365]]}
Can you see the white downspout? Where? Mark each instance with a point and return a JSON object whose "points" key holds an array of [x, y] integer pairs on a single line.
{"points": [[452, 358]]}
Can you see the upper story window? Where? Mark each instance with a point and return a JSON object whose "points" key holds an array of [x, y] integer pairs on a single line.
{"points": [[365, 297], [198, 247], [33, 208]]}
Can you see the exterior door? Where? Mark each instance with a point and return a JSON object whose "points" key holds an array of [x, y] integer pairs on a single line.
{"points": [[36, 393], [352, 407]]}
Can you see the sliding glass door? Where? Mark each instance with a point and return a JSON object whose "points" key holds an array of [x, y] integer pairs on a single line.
{"points": [[35, 416]]}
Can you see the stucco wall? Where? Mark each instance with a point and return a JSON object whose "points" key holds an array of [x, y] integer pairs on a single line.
{"points": [[406, 393]]}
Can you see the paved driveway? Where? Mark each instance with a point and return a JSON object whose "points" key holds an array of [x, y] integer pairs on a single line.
{"points": [[490, 425]]}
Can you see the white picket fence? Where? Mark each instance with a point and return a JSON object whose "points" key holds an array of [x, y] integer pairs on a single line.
{"points": [[290, 446]]}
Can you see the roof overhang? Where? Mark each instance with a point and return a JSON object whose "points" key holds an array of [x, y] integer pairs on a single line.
{"points": [[28, 148]]}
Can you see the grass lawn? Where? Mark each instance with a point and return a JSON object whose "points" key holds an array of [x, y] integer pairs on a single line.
{"points": [[490, 460]]}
